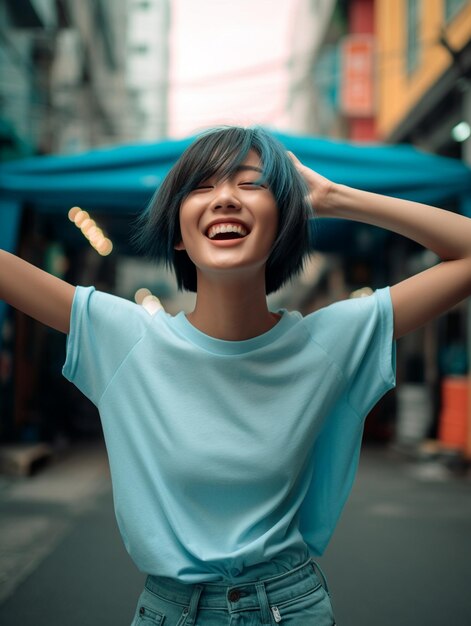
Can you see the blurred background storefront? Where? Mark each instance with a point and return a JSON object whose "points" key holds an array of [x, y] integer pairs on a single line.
{"points": [[82, 76], [403, 75]]}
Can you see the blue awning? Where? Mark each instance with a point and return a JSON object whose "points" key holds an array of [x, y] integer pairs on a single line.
{"points": [[122, 179]]}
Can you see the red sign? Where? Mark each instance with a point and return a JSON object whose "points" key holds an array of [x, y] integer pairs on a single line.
{"points": [[357, 87]]}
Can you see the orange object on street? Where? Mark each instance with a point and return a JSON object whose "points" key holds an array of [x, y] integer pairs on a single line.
{"points": [[453, 422]]}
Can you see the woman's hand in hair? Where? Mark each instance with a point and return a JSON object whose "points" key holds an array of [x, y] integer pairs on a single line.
{"points": [[320, 188]]}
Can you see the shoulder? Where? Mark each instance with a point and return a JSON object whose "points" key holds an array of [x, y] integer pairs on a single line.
{"points": [[349, 319], [98, 299], [106, 311], [355, 306]]}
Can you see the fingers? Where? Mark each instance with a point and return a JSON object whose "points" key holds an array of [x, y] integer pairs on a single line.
{"points": [[294, 158], [296, 162]]}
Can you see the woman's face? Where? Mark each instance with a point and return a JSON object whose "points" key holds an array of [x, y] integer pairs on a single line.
{"points": [[230, 225]]}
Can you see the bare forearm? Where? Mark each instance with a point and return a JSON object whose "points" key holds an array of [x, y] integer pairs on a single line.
{"points": [[445, 233], [35, 292]]}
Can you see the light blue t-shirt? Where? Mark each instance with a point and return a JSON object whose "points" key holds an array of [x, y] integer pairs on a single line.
{"points": [[226, 455]]}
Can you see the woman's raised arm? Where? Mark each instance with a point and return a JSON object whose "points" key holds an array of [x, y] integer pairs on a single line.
{"points": [[31, 290], [428, 294]]}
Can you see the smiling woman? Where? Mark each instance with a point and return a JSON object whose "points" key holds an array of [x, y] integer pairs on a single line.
{"points": [[233, 264], [234, 432], [216, 157]]}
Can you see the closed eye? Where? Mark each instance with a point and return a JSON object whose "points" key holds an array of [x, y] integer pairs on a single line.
{"points": [[253, 184]]}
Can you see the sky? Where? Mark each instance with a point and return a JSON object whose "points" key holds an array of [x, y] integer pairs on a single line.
{"points": [[228, 62]]}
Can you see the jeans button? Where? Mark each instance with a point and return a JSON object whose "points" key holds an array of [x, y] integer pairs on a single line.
{"points": [[234, 595]]}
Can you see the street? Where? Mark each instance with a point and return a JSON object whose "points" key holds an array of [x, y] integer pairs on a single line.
{"points": [[400, 555]]}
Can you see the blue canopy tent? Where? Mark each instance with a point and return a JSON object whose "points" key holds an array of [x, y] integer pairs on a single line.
{"points": [[121, 180]]}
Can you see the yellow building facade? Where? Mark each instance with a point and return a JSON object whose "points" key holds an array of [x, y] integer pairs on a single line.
{"points": [[410, 57]]}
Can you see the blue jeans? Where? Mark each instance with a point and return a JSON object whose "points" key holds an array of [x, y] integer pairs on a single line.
{"points": [[299, 597]]}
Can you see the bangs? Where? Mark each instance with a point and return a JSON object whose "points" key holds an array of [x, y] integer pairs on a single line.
{"points": [[219, 154]]}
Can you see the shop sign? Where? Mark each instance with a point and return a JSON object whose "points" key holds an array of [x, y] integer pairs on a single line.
{"points": [[357, 76]]}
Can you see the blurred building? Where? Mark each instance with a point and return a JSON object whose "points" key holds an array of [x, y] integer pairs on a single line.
{"points": [[88, 95], [424, 92], [23, 77], [399, 71], [424, 98], [75, 75], [344, 73], [309, 22], [396, 71], [147, 66]]}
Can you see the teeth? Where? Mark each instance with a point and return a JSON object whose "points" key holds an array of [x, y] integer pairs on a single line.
{"points": [[226, 228]]}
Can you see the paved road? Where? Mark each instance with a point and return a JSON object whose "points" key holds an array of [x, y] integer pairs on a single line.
{"points": [[401, 554], [65, 563]]}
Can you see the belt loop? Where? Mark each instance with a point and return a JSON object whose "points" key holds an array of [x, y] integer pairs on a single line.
{"points": [[263, 601], [195, 597], [316, 566]]}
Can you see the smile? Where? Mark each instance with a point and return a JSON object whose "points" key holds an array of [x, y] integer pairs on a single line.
{"points": [[224, 231]]}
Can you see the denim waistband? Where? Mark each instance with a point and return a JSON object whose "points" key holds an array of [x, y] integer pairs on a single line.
{"points": [[246, 595]]}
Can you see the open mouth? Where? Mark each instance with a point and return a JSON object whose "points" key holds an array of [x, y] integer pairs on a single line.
{"points": [[220, 232]]}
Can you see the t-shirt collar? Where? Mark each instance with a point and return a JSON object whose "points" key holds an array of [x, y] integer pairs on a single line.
{"points": [[223, 346]]}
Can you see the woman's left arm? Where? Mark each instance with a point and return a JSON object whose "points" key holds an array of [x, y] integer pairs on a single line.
{"points": [[430, 293]]}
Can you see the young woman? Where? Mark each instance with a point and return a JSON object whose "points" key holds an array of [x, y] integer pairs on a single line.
{"points": [[233, 432]]}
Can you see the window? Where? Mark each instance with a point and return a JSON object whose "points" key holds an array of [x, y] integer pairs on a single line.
{"points": [[413, 43]]}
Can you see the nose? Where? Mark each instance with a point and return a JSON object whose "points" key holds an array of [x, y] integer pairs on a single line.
{"points": [[225, 197]]}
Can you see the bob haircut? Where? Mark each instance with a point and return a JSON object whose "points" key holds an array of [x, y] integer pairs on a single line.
{"points": [[218, 152]]}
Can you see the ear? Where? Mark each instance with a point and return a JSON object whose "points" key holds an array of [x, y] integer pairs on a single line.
{"points": [[179, 246]]}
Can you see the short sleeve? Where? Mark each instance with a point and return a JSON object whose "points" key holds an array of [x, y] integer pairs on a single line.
{"points": [[357, 334], [103, 330], [371, 369]]}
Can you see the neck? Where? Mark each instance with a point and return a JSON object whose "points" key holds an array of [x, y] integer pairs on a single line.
{"points": [[233, 310]]}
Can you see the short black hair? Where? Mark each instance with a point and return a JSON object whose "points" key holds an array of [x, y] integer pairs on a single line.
{"points": [[219, 152]]}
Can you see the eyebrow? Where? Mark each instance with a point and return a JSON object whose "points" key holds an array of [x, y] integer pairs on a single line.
{"points": [[243, 168]]}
